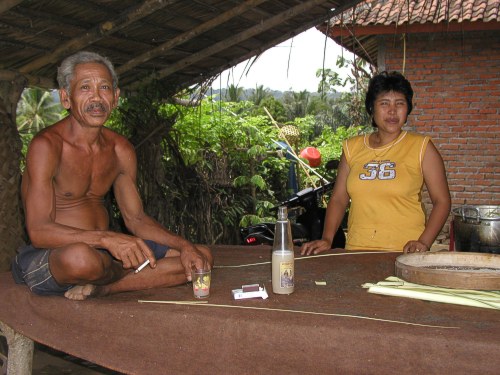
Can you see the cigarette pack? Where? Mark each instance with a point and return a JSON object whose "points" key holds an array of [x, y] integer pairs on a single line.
{"points": [[250, 291]]}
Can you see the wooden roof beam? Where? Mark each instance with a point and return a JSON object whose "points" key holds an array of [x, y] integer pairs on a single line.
{"points": [[43, 82], [184, 37], [275, 42], [98, 32], [238, 38], [6, 5]]}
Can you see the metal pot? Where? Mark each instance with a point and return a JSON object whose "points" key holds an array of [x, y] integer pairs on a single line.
{"points": [[477, 228]]}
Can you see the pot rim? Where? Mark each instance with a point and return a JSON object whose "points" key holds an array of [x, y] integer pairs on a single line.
{"points": [[469, 211]]}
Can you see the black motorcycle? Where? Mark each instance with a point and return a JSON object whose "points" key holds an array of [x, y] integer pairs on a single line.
{"points": [[307, 219]]}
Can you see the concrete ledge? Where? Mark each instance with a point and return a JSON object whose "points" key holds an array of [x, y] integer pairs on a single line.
{"points": [[20, 356]]}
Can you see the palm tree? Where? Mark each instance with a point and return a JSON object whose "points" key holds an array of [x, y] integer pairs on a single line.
{"points": [[259, 94], [296, 104], [36, 110], [234, 93]]}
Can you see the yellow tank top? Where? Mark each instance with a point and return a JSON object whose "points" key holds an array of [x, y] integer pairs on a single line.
{"points": [[385, 186]]}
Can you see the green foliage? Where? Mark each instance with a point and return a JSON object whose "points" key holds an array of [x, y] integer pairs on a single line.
{"points": [[349, 109], [262, 215], [275, 108], [259, 94], [234, 149], [258, 181], [233, 146], [234, 93], [307, 127], [116, 122], [329, 144], [36, 110], [327, 139], [296, 104]]}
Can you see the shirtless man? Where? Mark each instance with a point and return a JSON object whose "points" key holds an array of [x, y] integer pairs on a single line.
{"points": [[70, 166]]}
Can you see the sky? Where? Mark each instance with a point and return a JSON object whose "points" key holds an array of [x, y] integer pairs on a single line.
{"points": [[291, 65]]}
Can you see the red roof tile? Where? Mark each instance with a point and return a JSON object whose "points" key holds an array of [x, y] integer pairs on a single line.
{"points": [[398, 12]]}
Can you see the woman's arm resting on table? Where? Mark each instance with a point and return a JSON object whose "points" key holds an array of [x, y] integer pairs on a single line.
{"points": [[335, 212], [437, 186]]}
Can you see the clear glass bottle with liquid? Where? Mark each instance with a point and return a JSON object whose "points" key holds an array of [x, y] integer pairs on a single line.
{"points": [[283, 270]]}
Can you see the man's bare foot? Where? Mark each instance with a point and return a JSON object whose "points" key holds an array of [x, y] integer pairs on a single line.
{"points": [[81, 292]]}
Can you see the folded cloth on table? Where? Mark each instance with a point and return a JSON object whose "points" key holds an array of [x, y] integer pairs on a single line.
{"points": [[393, 286]]}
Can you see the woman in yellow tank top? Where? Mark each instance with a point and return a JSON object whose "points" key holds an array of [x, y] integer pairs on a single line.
{"points": [[382, 174]]}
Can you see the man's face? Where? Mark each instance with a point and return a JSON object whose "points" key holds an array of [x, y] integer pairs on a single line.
{"points": [[92, 96]]}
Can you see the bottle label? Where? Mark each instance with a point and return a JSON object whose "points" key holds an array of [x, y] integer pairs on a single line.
{"points": [[286, 274]]}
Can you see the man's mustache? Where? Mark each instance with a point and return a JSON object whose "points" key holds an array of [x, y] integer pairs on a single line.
{"points": [[94, 106]]}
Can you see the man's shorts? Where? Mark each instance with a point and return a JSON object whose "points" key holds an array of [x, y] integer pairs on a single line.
{"points": [[31, 267]]}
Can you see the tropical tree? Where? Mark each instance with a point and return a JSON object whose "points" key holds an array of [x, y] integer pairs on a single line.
{"points": [[36, 110], [272, 105], [296, 103], [233, 150], [259, 94], [350, 107], [234, 93]]}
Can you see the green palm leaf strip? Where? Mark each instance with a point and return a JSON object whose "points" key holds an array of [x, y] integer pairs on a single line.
{"points": [[393, 286]]}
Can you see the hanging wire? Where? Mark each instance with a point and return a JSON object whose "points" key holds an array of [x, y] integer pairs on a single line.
{"points": [[220, 99], [289, 57], [404, 54], [405, 34], [322, 91]]}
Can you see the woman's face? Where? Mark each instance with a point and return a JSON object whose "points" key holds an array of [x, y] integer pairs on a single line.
{"points": [[390, 111]]}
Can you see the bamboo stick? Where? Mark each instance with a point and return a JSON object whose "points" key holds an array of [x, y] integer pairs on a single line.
{"points": [[302, 312]]}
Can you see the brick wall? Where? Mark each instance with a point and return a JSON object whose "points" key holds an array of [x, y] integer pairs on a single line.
{"points": [[456, 79]]}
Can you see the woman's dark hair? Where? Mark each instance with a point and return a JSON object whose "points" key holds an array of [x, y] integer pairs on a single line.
{"points": [[385, 82]]}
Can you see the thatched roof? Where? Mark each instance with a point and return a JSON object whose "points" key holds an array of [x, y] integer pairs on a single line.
{"points": [[356, 29], [181, 42]]}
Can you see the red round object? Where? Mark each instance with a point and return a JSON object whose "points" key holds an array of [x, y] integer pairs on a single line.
{"points": [[312, 155]]}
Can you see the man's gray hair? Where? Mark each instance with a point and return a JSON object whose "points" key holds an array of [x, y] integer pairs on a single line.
{"points": [[66, 71]]}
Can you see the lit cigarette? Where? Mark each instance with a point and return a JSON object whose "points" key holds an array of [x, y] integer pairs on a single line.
{"points": [[142, 266]]}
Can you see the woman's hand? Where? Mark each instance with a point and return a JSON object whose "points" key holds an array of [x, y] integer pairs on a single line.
{"points": [[315, 247], [415, 247]]}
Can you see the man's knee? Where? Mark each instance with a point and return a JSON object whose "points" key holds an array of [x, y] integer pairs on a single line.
{"points": [[77, 262]]}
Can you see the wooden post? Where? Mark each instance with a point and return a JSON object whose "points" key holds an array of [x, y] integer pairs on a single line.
{"points": [[11, 221]]}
